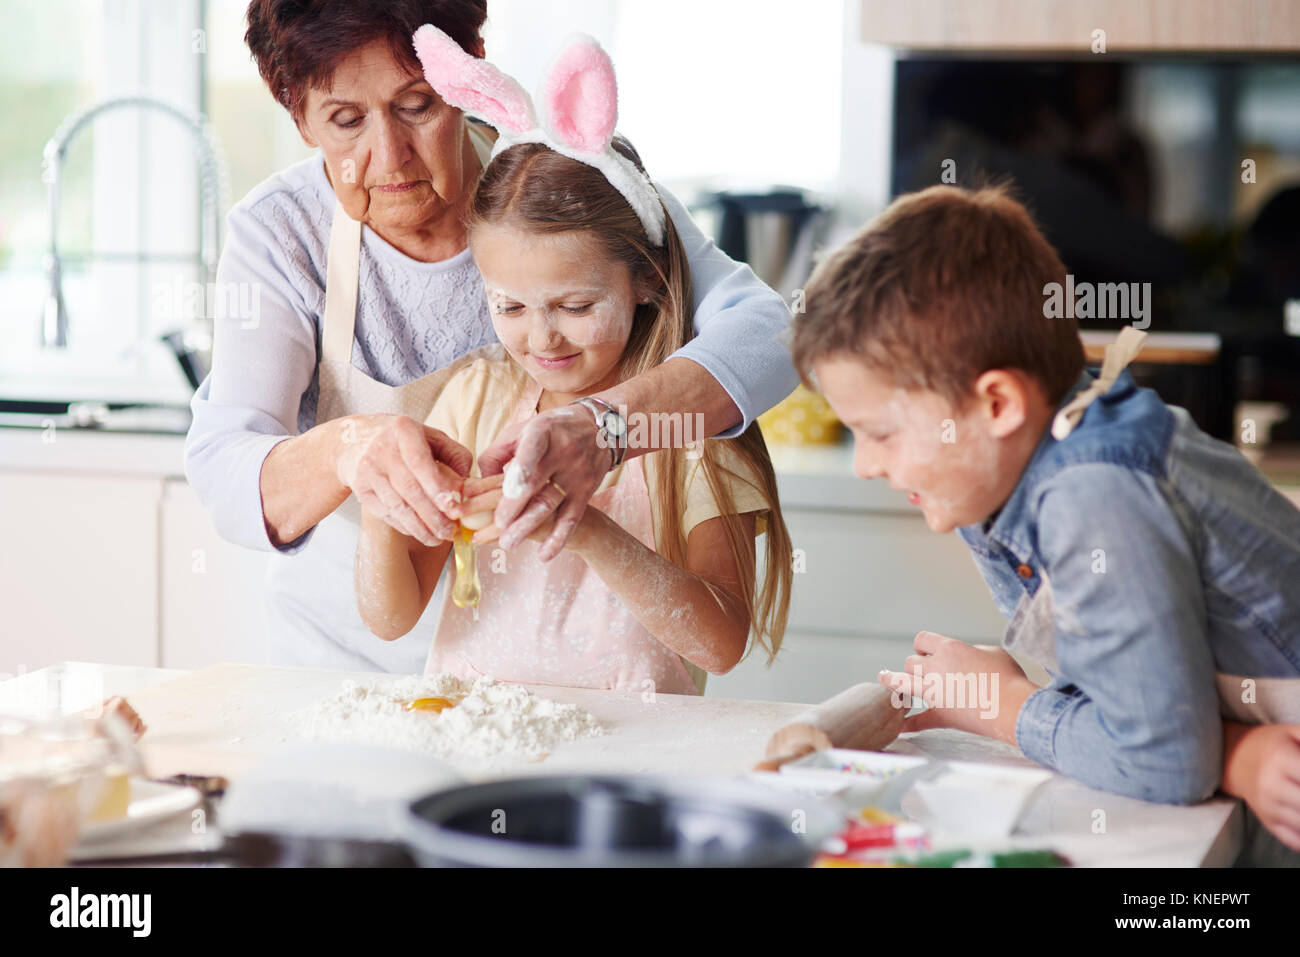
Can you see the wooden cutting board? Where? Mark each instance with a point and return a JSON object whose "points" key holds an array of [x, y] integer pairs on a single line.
{"points": [[224, 719]]}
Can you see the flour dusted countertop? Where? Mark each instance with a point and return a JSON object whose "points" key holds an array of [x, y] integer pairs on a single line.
{"points": [[222, 720], [226, 719]]}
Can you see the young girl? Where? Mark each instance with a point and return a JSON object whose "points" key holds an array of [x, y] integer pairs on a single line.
{"points": [[588, 285]]}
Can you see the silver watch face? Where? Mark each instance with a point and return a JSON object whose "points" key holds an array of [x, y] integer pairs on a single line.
{"points": [[613, 423]]}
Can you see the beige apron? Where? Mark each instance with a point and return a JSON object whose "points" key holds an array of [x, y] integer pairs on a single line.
{"points": [[1031, 633], [312, 609]]}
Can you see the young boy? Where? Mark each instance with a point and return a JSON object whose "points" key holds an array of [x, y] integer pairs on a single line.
{"points": [[1149, 568]]}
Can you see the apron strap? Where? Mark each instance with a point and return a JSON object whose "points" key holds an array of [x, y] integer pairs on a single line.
{"points": [[1118, 355], [341, 279]]}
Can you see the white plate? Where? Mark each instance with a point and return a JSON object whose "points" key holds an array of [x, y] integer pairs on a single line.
{"points": [[864, 774], [151, 801], [977, 800], [799, 784]]}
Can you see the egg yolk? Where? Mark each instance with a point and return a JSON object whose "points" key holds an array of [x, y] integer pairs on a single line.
{"points": [[431, 704]]}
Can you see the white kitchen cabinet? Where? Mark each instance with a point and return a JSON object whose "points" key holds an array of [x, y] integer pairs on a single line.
{"points": [[872, 581], [869, 575], [212, 592], [885, 575], [124, 570], [810, 668], [78, 569], [107, 555]]}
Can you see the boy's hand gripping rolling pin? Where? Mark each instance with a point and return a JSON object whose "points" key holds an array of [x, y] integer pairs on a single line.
{"points": [[862, 717]]}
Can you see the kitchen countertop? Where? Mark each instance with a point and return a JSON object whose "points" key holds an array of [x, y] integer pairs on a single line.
{"points": [[87, 451], [808, 477], [821, 477], [228, 718]]}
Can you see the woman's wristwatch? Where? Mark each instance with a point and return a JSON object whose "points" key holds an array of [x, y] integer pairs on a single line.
{"points": [[611, 428]]}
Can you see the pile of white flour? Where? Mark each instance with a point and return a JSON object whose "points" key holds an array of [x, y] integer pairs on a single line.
{"points": [[493, 718]]}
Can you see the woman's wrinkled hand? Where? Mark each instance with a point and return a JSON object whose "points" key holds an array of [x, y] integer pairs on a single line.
{"points": [[483, 495], [479, 499], [404, 472], [559, 464]]}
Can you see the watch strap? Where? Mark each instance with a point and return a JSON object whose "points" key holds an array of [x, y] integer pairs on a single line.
{"points": [[617, 444]]}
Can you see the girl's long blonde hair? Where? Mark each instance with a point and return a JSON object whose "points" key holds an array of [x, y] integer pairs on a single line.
{"points": [[538, 189]]}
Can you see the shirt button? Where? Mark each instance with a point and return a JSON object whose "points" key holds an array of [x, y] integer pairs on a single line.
{"points": [[1024, 571]]}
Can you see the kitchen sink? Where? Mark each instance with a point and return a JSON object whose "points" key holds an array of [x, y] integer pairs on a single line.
{"points": [[126, 417]]}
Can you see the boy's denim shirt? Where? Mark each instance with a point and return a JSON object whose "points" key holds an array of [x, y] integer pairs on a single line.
{"points": [[1173, 579]]}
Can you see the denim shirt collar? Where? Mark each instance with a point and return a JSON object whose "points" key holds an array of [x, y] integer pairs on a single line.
{"points": [[1010, 527]]}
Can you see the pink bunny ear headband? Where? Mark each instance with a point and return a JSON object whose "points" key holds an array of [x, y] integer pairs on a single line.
{"points": [[580, 97]]}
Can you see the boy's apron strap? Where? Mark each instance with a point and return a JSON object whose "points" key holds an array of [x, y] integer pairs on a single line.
{"points": [[341, 281], [1118, 355]]}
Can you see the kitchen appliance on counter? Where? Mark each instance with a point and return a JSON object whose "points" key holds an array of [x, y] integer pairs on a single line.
{"points": [[775, 232], [192, 348]]}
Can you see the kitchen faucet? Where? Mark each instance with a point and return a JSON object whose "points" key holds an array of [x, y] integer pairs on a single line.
{"points": [[213, 188]]}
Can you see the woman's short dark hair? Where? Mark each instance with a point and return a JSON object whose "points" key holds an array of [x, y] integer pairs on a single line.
{"points": [[298, 43]]}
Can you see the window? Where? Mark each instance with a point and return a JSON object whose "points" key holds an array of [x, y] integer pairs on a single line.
{"points": [[722, 94], [258, 135], [129, 212], [716, 94]]}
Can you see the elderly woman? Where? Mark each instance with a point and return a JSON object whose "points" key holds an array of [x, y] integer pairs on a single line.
{"points": [[367, 297]]}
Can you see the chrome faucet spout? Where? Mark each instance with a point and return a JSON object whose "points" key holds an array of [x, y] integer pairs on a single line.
{"points": [[213, 190]]}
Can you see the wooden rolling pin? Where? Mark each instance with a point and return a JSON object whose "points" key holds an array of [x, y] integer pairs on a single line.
{"points": [[862, 718]]}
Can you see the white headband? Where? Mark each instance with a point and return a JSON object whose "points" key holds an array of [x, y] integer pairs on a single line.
{"points": [[580, 97]]}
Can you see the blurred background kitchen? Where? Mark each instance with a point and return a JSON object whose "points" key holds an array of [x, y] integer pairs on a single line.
{"points": [[1173, 157]]}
